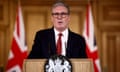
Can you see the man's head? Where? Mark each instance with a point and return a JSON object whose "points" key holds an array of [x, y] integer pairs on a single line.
{"points": [[60, 16]]}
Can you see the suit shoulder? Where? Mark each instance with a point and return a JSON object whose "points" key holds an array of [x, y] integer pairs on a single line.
{"points": [[76, 35], [44, 31]]}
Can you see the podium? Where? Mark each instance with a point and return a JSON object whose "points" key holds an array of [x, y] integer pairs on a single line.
{"points": [[78, 65]]}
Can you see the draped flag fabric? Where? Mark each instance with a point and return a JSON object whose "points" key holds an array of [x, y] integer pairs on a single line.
{"points": [[88, 33], [18, 51]]}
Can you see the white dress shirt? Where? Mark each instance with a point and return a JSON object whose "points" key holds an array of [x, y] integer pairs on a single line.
{"points": [[64, 40]]}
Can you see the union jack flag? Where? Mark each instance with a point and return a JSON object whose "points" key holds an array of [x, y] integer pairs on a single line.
{"points": [[88, 33], [18, 51]]}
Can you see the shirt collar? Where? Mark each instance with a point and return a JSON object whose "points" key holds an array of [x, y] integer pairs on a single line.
{"points": [[65, 32]]}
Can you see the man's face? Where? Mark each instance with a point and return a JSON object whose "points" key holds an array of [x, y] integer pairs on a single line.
{"points": [[60, 18]]}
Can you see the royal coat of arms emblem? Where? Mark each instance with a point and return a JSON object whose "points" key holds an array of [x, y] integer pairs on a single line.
{"points": [[58, 63]]}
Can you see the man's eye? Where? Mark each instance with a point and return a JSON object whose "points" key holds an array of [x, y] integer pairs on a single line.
{"points": [[59, 13], [55, 13], [64, 13]]}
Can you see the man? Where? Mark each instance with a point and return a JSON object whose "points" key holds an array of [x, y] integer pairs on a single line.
{"points": [[46, 42]]}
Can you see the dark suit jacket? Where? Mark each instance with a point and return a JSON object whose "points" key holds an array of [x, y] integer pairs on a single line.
{"points": [[44, 45]]}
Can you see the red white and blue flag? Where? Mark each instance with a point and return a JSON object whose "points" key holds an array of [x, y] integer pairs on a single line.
{"points": [[18, 51], [88, 33]]}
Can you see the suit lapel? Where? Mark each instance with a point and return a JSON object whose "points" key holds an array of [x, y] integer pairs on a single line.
{"points": [[52, 42], [69, 44]]}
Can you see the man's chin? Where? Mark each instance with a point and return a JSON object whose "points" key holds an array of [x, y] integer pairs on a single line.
{"points": [[60, 28]]}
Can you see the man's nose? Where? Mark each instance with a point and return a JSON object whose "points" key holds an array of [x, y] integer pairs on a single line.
{"points": [[59, 16]]}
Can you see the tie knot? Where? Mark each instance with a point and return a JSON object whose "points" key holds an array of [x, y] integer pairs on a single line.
{"points": [[60, 34]]}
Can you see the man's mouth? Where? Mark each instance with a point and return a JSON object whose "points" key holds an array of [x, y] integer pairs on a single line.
{"points": [[60, 22]]}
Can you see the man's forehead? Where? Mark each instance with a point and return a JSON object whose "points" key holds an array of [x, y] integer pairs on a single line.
{"points": [[59, 8]]}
